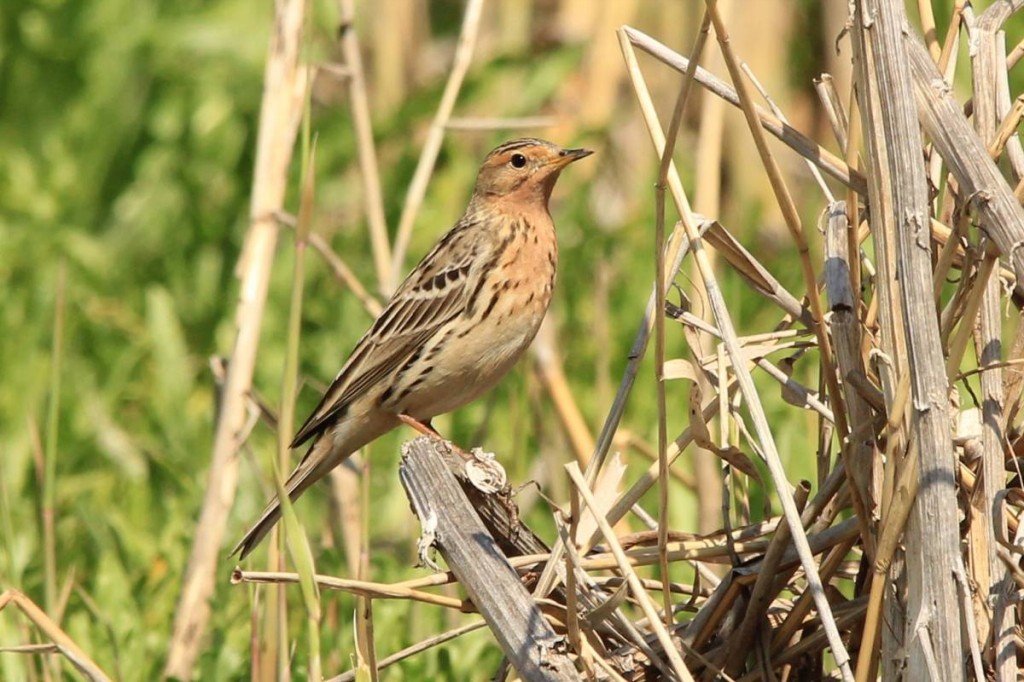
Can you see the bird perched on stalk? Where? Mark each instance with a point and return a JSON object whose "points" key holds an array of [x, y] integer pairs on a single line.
{"points": [[454, 327]]}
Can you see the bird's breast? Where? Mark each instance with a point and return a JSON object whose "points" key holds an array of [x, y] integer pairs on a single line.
{"points": [[507, 305]]}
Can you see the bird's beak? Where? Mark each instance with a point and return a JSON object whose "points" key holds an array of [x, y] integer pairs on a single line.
{"points": [[567, 156]]}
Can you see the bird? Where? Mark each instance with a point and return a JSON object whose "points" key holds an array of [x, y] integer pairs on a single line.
{"points": [[453, 328]]}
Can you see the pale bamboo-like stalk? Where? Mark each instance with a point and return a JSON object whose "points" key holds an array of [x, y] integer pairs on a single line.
{"points": [[284, 92], [927, 16]]}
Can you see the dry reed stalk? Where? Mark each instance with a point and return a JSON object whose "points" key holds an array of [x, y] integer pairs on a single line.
{"points": [[549, 367], [765, 438], [59, 640], [789, 212], [361, 122], [517, 123], [660, 275], [284, 92], [800, 143], [832, 103], [415, 649], [358, 587], [996, 619], [967, 157], [707, 201], [435, 136], [858, 451], [668, 646]]}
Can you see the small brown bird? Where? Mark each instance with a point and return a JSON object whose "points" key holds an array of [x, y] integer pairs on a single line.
{"points": [[454, 327]]}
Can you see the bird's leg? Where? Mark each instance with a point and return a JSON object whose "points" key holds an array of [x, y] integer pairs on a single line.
{"points": [[428, 430], [482, 470], [422, 427]]}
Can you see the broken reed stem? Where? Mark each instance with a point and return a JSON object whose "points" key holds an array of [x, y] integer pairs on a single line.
{"points": [[475, 557]]}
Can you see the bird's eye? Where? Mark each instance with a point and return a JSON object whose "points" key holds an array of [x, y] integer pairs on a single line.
{"points": [[518, 161]]}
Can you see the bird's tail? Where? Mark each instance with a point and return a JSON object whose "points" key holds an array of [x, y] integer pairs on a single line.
{"points": [[318, 461]]}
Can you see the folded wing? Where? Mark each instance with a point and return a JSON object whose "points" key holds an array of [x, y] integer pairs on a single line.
{"points": [[433, 295]]}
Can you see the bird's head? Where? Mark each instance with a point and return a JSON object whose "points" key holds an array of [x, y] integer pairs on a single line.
{"points": [[526, 168]]}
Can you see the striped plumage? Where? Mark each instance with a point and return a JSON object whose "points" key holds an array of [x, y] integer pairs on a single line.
{"points": [[455, 326]]}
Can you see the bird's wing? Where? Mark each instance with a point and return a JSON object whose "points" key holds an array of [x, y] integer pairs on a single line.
{"points": [[436, 291]]}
